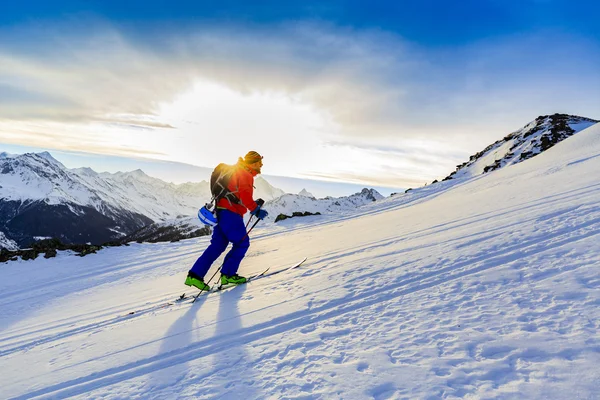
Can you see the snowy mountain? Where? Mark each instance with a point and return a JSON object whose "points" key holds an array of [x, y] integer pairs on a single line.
{"points": [[40, 197], [290, 203], [286, 204], [169, 231], [264, 190], [305, 193], [6, 243], [537, 136], [482, 288]]}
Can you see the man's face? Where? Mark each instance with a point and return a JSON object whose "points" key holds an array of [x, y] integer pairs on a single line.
{"points": [[256, 166]]}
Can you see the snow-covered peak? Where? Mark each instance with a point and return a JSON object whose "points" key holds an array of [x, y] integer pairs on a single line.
{"points": [[40, 177], [85, 171], [36, 176], [290, 203], [529, 141], [366, 195], [7, 155], [305, 193], [47, 156], [265, 190], [138, 173]]}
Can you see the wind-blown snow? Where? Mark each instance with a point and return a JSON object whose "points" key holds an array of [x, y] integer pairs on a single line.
{"points": [[486, 287]]}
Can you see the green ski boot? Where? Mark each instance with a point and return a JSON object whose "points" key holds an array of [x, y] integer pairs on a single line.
{"points": [[196, 282], [232, 280]]}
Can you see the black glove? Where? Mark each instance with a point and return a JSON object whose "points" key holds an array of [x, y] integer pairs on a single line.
{"points": [[260, 202]]}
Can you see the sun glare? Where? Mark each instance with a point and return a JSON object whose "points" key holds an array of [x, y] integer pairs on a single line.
{"points": [[215, 123]]}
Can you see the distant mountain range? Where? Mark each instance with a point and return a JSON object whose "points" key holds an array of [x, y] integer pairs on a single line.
{"points": [[40, 198], [290, 203], [287, 205]]}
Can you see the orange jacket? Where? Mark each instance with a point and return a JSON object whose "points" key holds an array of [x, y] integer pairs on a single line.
{"points": [[240, 184]]}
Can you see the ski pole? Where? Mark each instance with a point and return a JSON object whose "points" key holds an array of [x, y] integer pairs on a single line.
{"points": [[219, 269], [202, 290], [216, 272], [247, 233], [244, 238], [248, 223]]}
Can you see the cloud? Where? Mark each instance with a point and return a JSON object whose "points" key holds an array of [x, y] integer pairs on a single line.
{"points": [[417, 110], [88, 76], [392, 180], [369, 81]]}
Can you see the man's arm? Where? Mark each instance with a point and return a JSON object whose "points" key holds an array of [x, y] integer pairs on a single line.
{"points": [[245, 191]]}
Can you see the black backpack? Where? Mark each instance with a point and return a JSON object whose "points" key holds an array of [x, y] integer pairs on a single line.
{"points": [[219, 180]]}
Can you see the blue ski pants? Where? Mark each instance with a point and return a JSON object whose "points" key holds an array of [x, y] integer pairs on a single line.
{"points": [[230, 229]]}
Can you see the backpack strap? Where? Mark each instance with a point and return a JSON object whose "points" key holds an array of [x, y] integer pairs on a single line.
{"points": [[225, 192]]}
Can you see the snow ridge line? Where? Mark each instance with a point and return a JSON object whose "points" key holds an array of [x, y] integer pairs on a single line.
{"points": [[330, 310]]}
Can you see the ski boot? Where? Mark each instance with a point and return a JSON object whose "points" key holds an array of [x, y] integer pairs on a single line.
{"points": [[192, 280], [232, 280]]}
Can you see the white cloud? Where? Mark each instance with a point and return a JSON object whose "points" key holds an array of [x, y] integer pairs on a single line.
{"points": [[313, 97]]}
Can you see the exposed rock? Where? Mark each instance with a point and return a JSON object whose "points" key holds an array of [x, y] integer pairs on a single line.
{"points": [[49, 248], [538, 136], [282, 217]]}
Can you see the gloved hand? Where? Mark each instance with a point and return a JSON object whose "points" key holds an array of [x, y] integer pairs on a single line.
{"points": [[260, 202], [259, 213]]}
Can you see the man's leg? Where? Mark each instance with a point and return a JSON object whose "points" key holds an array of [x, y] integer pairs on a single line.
{"points": [[218, 244], [235, 230]]}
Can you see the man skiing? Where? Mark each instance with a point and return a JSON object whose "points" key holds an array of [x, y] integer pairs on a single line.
{"points": [[230, 226]]}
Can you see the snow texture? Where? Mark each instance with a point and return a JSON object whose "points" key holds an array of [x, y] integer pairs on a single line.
{"points": [[476, 288], [6, 243]]}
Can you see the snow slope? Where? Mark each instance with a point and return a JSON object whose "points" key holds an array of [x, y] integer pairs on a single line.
{"points": [[477, 288], [534, 138]]}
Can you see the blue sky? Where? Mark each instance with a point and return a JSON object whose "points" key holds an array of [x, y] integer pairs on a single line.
{"points": [[362, 93], [430, 22]]}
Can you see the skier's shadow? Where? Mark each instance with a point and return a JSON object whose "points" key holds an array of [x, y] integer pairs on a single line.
{"points": [[178, 336], [235, 377]]}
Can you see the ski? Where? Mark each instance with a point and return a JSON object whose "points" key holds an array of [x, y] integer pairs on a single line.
{"points": [[220, 287], [264, 274], [212, 289], [216, 288], [248, 279]]}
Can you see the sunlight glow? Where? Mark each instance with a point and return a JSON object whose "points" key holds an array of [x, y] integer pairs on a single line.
{"points": [[216, 124]]}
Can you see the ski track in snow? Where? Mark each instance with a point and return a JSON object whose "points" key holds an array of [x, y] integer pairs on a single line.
{"points": [[487, 290]]}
